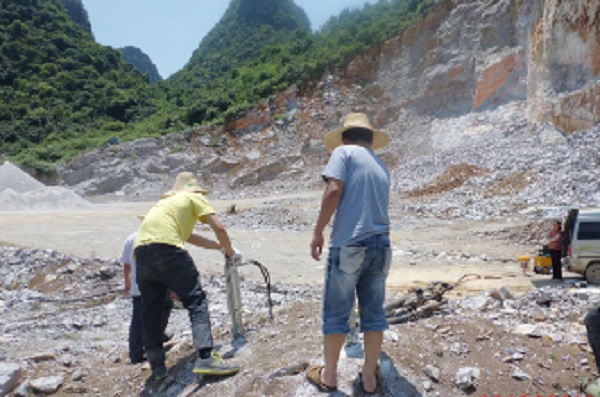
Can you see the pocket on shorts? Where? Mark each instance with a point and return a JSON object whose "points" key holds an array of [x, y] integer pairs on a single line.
{"points": [[352, 258]]}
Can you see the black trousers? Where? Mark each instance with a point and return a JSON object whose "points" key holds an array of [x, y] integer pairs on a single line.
{"points": [[162, 267], [556, 265], [592, 323], [136, 337]]}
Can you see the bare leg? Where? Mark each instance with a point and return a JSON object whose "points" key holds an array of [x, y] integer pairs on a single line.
{"points": [[332, 346], [373, 343]]}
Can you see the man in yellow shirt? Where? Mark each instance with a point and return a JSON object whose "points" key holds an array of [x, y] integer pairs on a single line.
{"points": [[164, 264]]}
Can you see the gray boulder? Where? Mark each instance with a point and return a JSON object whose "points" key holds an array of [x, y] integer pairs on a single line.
{"points": [[47, 385], [9, 377]]}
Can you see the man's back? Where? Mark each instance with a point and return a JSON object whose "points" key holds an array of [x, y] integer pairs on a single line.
{"points": [[363, 207], [171, 221]]}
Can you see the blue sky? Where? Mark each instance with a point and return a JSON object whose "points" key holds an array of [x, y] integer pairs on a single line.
{"points": [[170, 30]]}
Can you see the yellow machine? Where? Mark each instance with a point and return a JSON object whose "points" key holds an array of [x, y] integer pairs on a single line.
{"points": [[541, 264], [524, 262]]}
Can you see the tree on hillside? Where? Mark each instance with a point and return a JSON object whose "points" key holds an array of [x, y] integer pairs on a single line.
{"points": [[63, 93], [58, 85], [78, 13]]}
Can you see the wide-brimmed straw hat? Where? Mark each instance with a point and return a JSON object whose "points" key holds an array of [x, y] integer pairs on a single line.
{"points": [[186, 182], [356, 120]]}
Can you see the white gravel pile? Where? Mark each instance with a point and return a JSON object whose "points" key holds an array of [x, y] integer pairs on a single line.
{"points": [[21, 192], [523, 172], [11, 177]]}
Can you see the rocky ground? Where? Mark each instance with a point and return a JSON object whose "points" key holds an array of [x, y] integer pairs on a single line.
{"points": [[65, 326], [457, 215], [496, 331]]}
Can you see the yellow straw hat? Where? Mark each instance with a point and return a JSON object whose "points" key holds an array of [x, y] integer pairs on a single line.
{"points": [[356, 120], [186, 182]]}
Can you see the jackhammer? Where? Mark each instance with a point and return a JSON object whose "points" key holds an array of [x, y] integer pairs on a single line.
{"points": [[234, 296]]}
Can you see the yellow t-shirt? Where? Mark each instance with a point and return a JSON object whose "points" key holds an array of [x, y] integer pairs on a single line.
{"points": [[171, 221]]}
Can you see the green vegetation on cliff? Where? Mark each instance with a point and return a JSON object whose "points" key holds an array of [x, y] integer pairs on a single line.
{"points": [[77, 12], [141, 61], [63, 93], [230, 72], [240, 37]]}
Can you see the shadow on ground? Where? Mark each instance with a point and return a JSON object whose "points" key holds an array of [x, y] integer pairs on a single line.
{"points": [[181, 378], [566, 282], [392, 383]]}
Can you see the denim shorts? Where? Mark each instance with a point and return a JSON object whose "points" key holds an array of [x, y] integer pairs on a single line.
{"points": [[359, 269]]}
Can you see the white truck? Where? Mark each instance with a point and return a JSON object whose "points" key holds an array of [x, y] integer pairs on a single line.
{"points": [[581, 239]]}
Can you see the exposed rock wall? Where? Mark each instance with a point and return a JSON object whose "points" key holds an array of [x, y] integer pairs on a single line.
{"points": [[465, 56], [471, 56], [564, 64]]}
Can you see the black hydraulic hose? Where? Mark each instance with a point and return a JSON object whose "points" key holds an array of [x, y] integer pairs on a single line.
{"points": [[267, 278]]}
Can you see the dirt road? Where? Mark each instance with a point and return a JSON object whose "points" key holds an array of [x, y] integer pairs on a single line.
{"points": [[424, 250]]}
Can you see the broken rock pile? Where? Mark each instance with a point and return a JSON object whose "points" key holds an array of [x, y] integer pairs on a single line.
{"points": [[60, 313], [20, 192], [520, 171], [552, 313]]}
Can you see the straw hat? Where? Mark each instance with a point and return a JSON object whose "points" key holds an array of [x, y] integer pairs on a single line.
{"points": [[356, 120], [186, 182]]}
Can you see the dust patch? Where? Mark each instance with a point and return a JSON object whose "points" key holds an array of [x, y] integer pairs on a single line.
{"points": [[533, 232], [511, 185], [452, 178]]}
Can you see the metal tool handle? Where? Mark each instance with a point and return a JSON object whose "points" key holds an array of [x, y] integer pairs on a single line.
{"points": [[234, 299]]}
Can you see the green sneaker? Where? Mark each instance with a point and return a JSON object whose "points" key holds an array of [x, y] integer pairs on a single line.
{"points": [[159, 374], [215, 366]]}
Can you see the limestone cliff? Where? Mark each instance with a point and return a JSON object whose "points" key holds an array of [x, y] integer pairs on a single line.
{"points": [[564, 64], [474, 55], [141, 61]]}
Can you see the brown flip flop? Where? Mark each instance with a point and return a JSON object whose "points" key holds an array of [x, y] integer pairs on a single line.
{"points": [[377, 379], [313, 375]]}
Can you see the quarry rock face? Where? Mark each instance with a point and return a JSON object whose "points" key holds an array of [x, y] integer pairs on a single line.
{"points": [[463, 57], [564, 64], [469, 56]]}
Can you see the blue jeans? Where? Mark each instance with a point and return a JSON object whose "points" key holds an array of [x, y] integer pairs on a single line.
{"points": [[162, 267], [359, 269]]}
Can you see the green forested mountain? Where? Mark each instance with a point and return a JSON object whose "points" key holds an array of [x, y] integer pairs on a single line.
{"points": [[240, 37], [141, 61], [232, 69], [247, 27], [63, 93], [77, 12], [57, 85]]}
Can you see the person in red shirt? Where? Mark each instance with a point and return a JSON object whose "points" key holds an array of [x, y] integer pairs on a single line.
{"points": [[555, 248]]}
